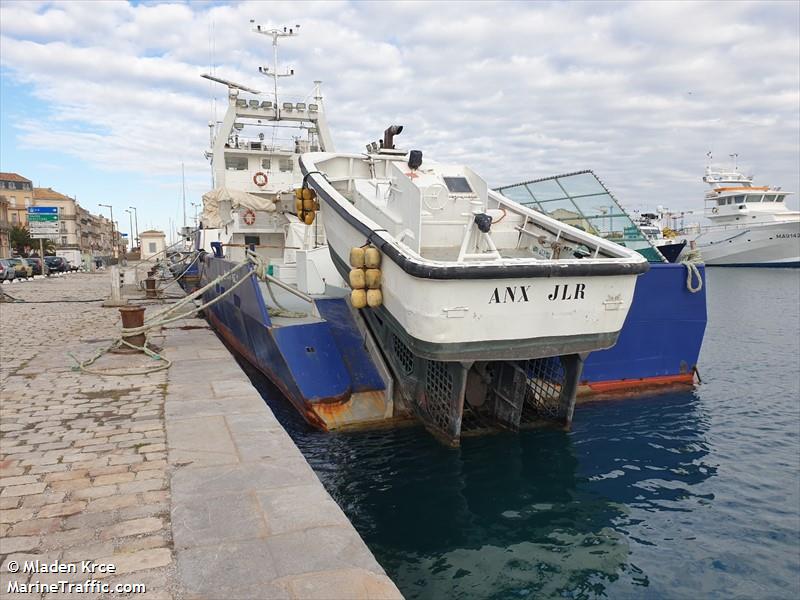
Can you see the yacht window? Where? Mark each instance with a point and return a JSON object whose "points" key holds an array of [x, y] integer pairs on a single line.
{"points": [[252, 240], [457, 185], [754, 198], [265, 163], [730, 199], [769, 198], [236, 163], [721, 202], [739, 199], [287, 164], [779, 198]]}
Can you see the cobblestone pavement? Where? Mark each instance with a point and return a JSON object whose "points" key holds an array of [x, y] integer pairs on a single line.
{"points": [[83, 469], [182, 479]]}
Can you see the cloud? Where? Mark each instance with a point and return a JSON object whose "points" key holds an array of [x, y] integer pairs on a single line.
{"points": [[639, 92]]}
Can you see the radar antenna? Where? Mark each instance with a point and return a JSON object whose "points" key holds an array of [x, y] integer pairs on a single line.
{"points": [[231, 84], [276, 33]]}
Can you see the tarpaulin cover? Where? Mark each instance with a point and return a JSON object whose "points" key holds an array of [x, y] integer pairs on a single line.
{"points": [[237, 199]]}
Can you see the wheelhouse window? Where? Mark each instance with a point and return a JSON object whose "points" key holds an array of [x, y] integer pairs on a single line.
{"points": [[457, 185], [739, 199], [754, 198], [266, 163], [779, 198], [720, 201], [769, 198], [286, 164], [236, 163], [252, 240]]}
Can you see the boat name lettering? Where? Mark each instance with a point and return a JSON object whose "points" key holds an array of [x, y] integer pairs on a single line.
{"points": [[580, 288], [519, 293], [788, 235], [514, 293]]}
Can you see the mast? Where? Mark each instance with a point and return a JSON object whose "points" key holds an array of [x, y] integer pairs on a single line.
{"points": [[183, 186], [276, 33]]}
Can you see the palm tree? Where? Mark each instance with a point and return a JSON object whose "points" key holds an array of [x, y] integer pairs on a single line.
{"points": [[22, 241]]}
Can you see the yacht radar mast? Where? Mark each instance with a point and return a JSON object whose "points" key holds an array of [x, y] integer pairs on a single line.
{"points": [[276, 33]]}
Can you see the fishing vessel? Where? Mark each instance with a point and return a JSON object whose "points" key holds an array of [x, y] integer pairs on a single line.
{"points": [[751, 225], [669, 247], [484, 308], [291, 318], [659, 345]]}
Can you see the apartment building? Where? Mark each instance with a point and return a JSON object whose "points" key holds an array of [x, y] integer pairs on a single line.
{"points": [[18, 191]]}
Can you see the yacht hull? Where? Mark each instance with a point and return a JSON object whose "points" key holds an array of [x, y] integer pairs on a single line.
{"points": [[767, 245]]}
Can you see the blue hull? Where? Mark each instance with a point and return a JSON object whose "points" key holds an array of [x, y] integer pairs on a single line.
{"points": [[318, 366], [660, 340]]}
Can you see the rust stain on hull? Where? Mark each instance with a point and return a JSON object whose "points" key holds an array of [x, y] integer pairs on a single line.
{"points": [[367, 408]]}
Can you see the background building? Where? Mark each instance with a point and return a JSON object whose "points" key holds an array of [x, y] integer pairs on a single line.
{"points": [[19, 193], [5, 229], [153, 242]]}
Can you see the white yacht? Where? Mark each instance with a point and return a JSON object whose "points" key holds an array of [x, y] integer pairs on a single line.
{"points": [[751, 225]]}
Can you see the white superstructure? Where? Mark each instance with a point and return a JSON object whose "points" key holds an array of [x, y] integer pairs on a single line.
{"points": [[254, 157], [751, 225]]}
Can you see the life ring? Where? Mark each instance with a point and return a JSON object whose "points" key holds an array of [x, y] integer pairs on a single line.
{"points": [[260, 179], [249, 217], [715, 210]]}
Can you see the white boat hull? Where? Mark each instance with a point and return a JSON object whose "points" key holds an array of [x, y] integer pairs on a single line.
{"points": [[483, 319], [770, 245]]}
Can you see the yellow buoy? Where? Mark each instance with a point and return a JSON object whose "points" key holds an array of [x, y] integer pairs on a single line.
{"points": [[308, 218], [356, 258], [308, 194], [298, 193], [373, 278], [298, 206], [374, 298], [372, 258], [358, 298], [357, 279], [308, 204]]}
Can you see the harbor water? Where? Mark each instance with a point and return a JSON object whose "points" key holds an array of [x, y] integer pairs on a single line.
{"points": [[678, 495]]}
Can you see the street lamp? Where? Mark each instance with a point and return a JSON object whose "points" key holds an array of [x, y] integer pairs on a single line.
{"points": [[113, 238], [136, 223], [130, 218]]}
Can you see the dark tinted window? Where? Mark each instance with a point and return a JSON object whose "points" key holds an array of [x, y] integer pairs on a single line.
{"points": [[458, 185]]}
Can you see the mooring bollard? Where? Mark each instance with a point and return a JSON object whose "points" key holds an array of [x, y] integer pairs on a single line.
{"points": [[150, 288], [115, 299], [133, 316]]}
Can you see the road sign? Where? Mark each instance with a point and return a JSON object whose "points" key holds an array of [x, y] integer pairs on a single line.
{"points": [[42, 218], [39, 210]]}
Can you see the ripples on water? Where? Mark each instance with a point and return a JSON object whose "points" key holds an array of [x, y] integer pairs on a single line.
{"points": [[681, 495]]}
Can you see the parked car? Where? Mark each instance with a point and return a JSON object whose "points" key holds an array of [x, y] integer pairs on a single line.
{"points": [[55, 264], [23, 269], [36, 265], [7, 270]]}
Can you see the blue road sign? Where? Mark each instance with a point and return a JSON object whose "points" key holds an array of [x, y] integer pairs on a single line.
{"points": [[39, 210]]}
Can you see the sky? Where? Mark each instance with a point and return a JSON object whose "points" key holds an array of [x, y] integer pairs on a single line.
{"points": [[104, 101]]}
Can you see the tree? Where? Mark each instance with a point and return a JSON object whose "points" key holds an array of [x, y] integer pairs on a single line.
{"points": [[22, 241]]}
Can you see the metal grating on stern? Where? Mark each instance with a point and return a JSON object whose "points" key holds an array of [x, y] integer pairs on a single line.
{"points": [[438, 394], [544, 379], [404, 356]]}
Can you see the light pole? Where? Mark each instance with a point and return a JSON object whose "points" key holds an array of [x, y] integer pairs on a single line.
{"points": [[113, 239], [130, 218], [136, 223]]}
